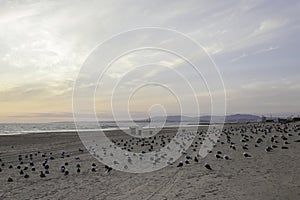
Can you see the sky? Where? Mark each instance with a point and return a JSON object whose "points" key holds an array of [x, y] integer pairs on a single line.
{"points": [[254, 46]]}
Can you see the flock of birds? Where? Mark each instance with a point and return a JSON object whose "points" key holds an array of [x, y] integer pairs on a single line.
{"points": [[237, 138], [25, 164]]}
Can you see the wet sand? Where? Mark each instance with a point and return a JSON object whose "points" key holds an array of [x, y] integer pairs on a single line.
{"points": [[264, 175]]}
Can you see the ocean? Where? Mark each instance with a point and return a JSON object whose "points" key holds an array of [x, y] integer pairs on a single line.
{"points": [[25, 128]]}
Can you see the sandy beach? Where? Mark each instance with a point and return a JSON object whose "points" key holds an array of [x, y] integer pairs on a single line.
{"points": [[264, 175]]}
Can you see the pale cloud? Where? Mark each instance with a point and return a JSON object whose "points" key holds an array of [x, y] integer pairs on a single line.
{"points": [[268, 26], [244, 55], [44, 43]]}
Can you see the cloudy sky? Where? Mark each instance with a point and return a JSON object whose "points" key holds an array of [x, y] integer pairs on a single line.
{"points": [[44, 44]]}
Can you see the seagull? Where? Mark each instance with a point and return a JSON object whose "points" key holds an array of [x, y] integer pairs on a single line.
{"points": [[42, 175], [189, 157], [268, 149], [62, 169], [245, 148], [108, 169], [66, 172], [196, 159], [207, 166], [246, 155], [180, 164], [218, 156]]}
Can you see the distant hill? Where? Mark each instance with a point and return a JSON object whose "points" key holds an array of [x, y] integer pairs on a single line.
{"points": [[207, 118]]}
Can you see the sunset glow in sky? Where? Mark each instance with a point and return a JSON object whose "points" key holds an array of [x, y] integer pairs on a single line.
{"points": [[255, 45]]}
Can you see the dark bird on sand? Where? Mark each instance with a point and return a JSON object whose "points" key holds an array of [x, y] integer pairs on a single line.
{"points": [[107, 169], [66, 172], [62, 169], [180, 164], [207, 166], [268, 149], [218, 156], [246, 155], [42, 175], [196, 159], [245, 148]]}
